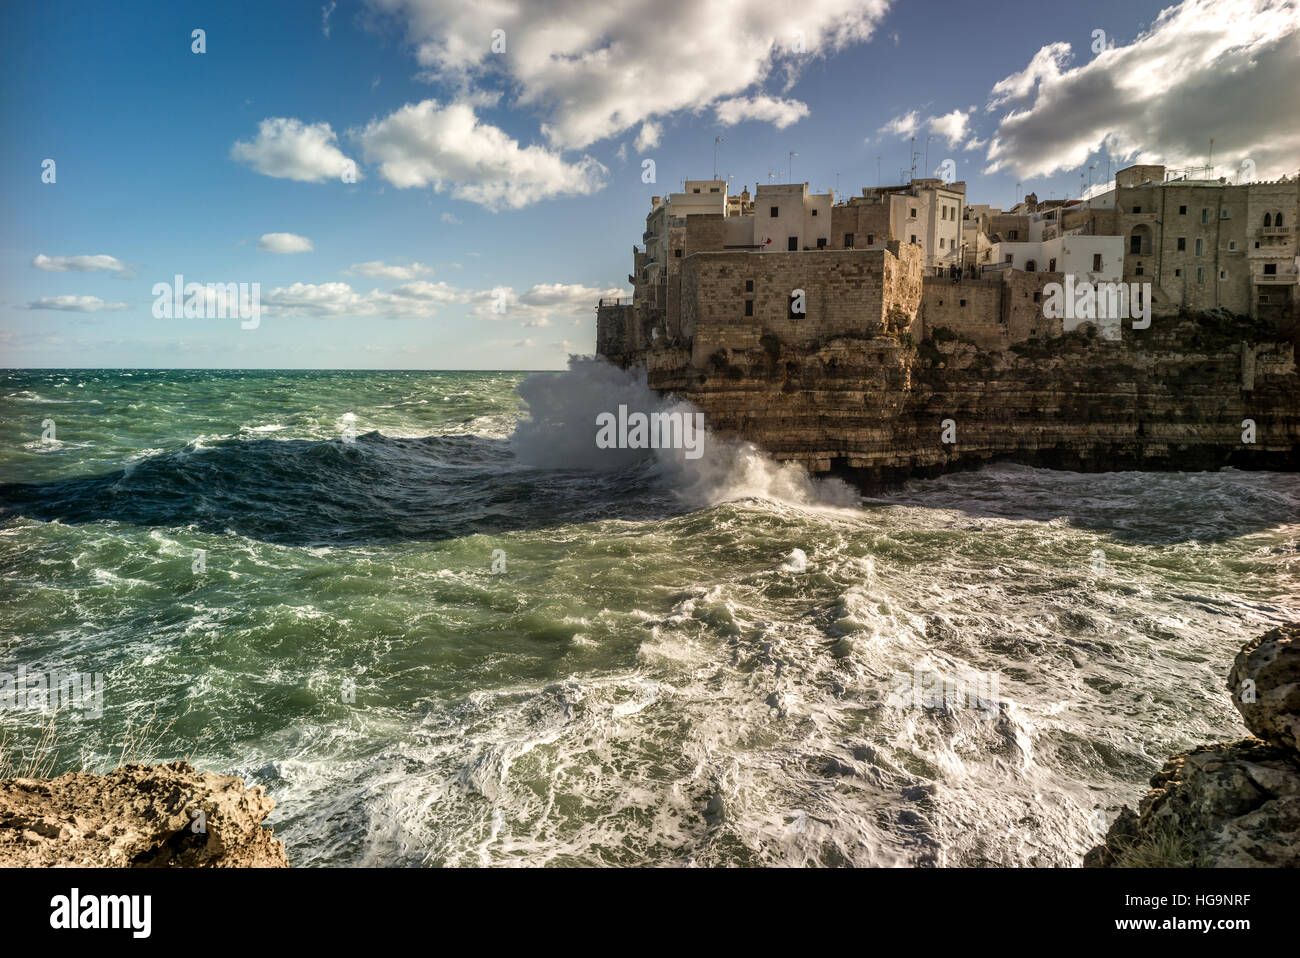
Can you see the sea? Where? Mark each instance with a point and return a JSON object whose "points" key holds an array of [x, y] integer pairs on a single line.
{"points": [[442, 628]]}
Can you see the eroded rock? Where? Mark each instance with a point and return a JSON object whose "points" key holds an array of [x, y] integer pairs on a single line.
{"points": [[137, 816], [1265, 686]]}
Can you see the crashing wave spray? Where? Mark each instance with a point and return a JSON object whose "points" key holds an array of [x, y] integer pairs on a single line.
{"points": [[560, 433]]}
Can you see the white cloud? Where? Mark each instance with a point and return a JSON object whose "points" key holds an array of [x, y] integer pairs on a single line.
{"points": [[325, 12], [780, 113], [381, 270], [1205, 68], [901, 126], [542, 302], [451, 219], [597, 68], [951, 126], [415, 299], [99, 263], [290, 149], [75, 304], [448, 148], [284, 243], [649, 136]]}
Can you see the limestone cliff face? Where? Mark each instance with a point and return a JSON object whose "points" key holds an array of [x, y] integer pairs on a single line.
{"points": [[873, 408], [137, 816]]}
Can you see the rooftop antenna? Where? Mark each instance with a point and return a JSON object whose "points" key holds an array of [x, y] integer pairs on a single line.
{"points": [[878, 171], [716, 141], [927, 154], [914, 156], [790, 170], [1211, 160]]}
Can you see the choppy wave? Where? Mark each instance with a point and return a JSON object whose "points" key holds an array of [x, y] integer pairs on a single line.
{"points": [[558, 657]]}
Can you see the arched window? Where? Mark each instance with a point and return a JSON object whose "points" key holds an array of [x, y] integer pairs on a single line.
{"points": [[1268, 220], [1277, 220], [1030, 266]]}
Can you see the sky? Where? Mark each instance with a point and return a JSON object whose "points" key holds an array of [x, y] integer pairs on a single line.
{"points": [[417, 184]]}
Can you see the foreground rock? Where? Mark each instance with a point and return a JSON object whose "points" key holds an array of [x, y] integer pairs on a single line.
{"points": [[1229, 805], [138, 816]]}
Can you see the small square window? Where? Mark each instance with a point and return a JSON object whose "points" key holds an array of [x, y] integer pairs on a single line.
{"points": [[1137, 209], [677, 253], [1223, 213], [696, 190], [1178, 272], [1223, 274], [961, 302], [871, 240], [1232, 246], [1182, 211], [814, 212], [848, 240], [1138, 271], [774, 211]]}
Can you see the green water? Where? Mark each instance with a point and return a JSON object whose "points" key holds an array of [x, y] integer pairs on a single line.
{"points": [[671, 663]]}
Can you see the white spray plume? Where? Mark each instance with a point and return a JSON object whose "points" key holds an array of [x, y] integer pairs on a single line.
{"points": [[560, 433]]}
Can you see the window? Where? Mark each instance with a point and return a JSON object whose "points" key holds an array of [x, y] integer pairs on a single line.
{"points": [[1223, 274], [1223, 212], [1135, 243], [1182, 243], [814, 212], [749, 307], [1277, 220], [749, 285], [1051, 266], [1139, 271], [1205, 215], [677, 253], [1008, 259], [1200, 274], [913, 213], [1232, 246], [913, 237], [1096, 262], [941, 242], [1182, 211], [848, 241], [713, 189], [1137, 209], [821, 242], [1012, 234], [1038, 297], [792, 244], [871, 239], [791, 314], [1268, 220], [696, 190], [774, 211], [1200, 246], [1031, 266], [1178, 272], [961, 302], [1270, 269]]}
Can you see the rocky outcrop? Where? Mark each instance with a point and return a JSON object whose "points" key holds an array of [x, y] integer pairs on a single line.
{"points": [[1227, 805], [137, 816]]}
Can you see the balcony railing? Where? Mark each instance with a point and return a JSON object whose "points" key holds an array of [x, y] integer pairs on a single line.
{"points": [[1275, 231], [1275, 279], [621, 301]]}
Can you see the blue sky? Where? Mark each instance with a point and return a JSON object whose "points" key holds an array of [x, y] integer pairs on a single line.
{"points": [[514, 176]]}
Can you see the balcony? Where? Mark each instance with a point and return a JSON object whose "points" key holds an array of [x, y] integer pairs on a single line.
{"points": [[1275, 279], [1275, 231]]}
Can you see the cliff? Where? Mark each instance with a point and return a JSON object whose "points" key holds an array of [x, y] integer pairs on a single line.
{"points": [[1227, 805], [137, 816], [878, 407]]}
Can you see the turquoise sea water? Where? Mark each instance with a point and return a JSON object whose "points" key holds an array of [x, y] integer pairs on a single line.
{"points": [[672, 663]]}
